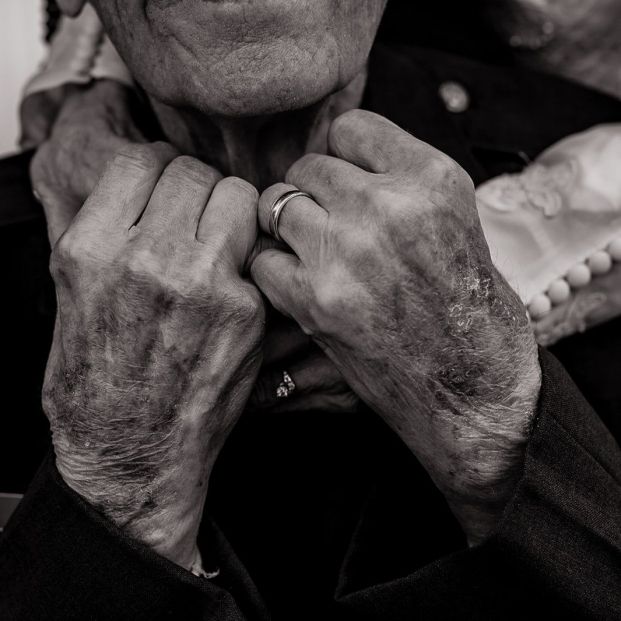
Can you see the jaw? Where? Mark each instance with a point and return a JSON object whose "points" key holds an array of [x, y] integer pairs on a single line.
{"points": [[241, 58]]}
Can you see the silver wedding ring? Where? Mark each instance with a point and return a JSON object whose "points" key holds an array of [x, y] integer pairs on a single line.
{"points": [[278, 205]]}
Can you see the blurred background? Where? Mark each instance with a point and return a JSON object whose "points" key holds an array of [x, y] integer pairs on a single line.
{"points": [[21, 50]]}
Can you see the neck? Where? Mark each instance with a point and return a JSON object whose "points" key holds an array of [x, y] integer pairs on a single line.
{"points": [[257, 149]]}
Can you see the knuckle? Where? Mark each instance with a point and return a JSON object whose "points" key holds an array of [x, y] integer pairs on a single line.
{"points": [[392, 204], [382, 196], [442, 167], [348, 122], [187, 167], [70, 252], [363, 246], [239, 302], [329, 299], [238, 186], [438, 164], [141, 264], [249, 305], [308, 167], [143, 157]]}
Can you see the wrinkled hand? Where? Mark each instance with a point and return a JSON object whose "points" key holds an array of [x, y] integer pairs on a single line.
{"points": [[392, 277], [157, 342], [91, 125], [79, 130]]}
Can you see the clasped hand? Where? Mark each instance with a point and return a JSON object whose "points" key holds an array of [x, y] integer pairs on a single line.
{"points": [[158, 341]]}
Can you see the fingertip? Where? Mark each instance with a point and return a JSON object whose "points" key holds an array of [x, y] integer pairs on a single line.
{"points": [[273, 271], [259, 264]]}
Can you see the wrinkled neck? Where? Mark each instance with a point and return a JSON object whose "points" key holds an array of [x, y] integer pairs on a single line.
{"points": [[257, 149]]}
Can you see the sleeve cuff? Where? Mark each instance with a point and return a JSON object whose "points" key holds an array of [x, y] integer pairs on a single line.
{"points": [[58, 553], [557, 547]]}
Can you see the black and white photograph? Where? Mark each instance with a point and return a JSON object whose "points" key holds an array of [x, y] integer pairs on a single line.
{"points": [[310, 310]]}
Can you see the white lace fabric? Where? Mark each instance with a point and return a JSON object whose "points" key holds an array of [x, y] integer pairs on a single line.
{"points": [[556, 213]]}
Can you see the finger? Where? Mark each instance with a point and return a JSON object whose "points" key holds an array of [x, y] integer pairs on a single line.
{"points": [[277, 274], [60, 205], [179, 198], [328, 179], [327, 403], [283, 339], [59, 213], [301, 220], [374, 143], [314, 373], [126, 185], [263, 242], [229, 221]]}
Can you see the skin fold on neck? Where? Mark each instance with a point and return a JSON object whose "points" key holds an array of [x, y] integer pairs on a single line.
{"points": [[257, 149]]}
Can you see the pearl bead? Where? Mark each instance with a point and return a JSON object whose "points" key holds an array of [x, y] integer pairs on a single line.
{"points": [[600, 262], [559, 291], [539, 306], [579, 276], [614, 249]]}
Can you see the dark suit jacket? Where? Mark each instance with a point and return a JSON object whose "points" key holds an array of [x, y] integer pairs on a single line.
{"points": [[330, 517]]}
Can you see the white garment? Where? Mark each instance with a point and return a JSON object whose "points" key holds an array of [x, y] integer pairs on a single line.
{"points": [[557, 212], [79, 52]]}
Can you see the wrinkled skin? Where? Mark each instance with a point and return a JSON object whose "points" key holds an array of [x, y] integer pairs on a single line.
{"points": [[157, 341], [92, 124], [396, 287], [392, 277], [242, 58]]}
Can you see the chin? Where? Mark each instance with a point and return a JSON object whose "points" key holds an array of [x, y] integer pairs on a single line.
{"points": [[252, 80], [258, 89], [242, 58]]}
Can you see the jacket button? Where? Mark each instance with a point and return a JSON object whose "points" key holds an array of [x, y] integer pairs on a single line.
{"points": [[454, 96]]}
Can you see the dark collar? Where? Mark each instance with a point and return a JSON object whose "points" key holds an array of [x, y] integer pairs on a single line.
{"points": [[512, 116]]}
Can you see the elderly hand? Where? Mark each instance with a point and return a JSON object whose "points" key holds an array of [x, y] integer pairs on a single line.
{"points": [[92, 124], [392, 277], [157, 341]]}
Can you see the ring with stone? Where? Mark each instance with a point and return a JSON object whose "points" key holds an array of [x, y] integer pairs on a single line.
{"points": [[286, 386]]}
